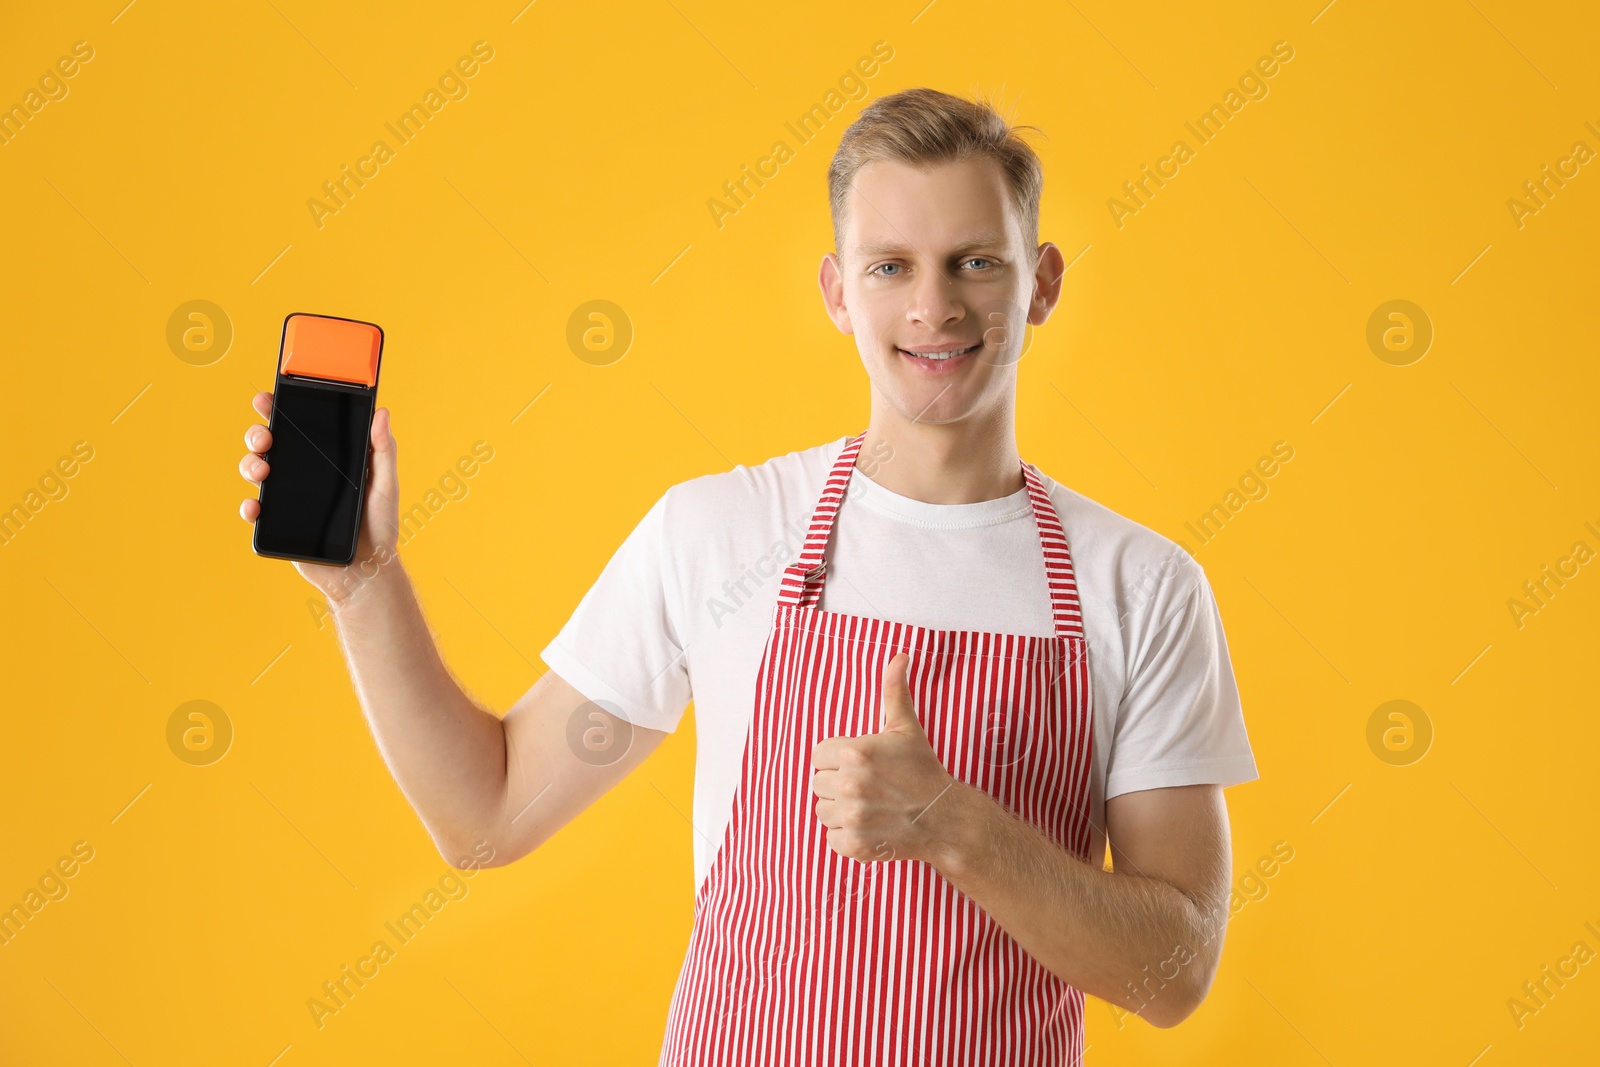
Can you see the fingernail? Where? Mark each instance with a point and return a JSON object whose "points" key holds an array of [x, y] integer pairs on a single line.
{"points": [[258, 469]]}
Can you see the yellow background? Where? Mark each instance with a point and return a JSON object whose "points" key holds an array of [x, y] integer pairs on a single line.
{"points": [[1226, 315]]}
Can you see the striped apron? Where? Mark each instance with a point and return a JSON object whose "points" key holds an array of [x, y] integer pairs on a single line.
{"points": [[800, 956]]}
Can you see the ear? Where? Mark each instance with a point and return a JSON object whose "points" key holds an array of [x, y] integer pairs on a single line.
{"points": [[830, 279], [1048, 276]]}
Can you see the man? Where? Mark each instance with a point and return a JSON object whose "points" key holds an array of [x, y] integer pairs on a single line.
{"points": [[905, 786]]}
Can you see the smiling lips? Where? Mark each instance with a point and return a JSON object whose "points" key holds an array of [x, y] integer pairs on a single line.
{"points": [[935, 359], [938, 352]]}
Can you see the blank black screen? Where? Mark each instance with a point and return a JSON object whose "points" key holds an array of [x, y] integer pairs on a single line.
{"points": [[311, 497]]}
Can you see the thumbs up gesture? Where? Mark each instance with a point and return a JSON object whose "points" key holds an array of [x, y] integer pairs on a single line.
{"points": [[879, 794]]}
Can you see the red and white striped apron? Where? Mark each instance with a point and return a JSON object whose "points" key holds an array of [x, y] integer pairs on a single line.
{"points": [[800, 956]]}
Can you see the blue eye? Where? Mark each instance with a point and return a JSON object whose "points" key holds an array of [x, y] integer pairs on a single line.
{"points": [[972, 259]]}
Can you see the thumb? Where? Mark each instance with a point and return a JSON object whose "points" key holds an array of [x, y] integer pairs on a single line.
{"points": [[383, 451], [899, 714], [384, 481]]}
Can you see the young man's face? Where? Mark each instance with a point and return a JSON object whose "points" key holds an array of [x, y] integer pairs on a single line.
{"points": [[933, 260]]}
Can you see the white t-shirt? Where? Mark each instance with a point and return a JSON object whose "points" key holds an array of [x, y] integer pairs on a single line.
{"points": [[682, 611]]}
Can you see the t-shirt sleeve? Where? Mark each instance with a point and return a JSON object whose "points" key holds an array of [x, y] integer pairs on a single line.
{"points": [[1180, 722], [622, 645]]}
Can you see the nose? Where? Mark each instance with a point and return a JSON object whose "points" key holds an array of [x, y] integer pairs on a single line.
{"points": [[933, 302]]}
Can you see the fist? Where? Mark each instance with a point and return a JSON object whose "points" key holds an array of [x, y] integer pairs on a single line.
{"points": [[878, 794]]}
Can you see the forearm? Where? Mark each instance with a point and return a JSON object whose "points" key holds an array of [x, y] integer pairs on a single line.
{"points": [[446, 752], [1134, 941]]}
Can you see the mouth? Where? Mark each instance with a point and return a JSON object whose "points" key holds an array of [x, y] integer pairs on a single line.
{"points": [[942, 360]]}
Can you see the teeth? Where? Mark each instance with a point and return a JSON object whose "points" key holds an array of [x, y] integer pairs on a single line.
{"points": [[940, 355]]}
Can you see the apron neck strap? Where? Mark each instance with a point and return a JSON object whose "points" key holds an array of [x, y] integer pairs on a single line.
{"points": [[802, 580]]}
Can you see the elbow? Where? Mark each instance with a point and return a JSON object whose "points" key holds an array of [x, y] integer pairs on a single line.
{"points": [[1195, 958], [470, 851], [480, 846], [1167, 1012], [482, 839], [1173, 1012]]}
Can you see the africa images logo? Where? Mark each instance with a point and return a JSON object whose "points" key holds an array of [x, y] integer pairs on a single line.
{"points": [[452, 85], [1252, 86]]}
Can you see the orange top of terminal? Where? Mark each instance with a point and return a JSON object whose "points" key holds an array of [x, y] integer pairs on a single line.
{"points": [[315, 346]]}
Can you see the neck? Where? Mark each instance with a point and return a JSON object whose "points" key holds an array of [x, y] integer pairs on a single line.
{"points": [[953, 463]]}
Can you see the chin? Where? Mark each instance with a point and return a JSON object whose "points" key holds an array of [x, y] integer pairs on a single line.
{"points": [[929, 408]]}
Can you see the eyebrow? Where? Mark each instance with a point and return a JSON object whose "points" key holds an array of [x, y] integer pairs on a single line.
{"points": [[981, 240]]}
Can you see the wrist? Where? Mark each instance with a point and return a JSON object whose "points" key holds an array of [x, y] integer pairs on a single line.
{"points": [[378, 569], [963, 848]]}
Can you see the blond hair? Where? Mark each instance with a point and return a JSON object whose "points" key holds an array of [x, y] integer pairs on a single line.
{"points": [[924, 126]]}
